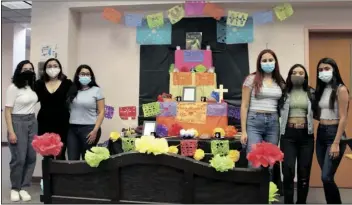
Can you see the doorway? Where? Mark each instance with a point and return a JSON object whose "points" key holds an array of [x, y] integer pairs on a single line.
{"points": [[336, 45]]}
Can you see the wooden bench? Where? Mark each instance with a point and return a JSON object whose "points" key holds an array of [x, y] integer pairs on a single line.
{"points": [[140, 178]]}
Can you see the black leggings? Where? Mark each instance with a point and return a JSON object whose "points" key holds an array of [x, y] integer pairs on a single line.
{"points": [[296, 144]]}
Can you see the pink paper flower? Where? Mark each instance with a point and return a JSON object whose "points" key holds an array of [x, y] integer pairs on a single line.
{"points": [[48, 144], [265, 154]]}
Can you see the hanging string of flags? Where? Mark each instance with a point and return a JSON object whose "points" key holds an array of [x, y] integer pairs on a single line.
{"points": [[233, 18]]}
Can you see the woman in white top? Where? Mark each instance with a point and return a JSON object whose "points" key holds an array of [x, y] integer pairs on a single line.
{"points": [[21, 126]]}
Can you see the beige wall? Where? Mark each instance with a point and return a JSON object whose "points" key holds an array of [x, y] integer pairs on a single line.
{"points": [[112, 51]]}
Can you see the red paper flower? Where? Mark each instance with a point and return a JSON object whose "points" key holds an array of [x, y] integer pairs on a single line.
{"points": [[184, 69], [48, 144], [175, 129], [265, 154]]}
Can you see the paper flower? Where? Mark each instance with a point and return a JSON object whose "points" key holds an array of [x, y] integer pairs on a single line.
{"points": [[195, 132], [199, 154], [218, 129], [173, 149], [96, 155], [234, 155], [265, 154], [48, 144], [149, 144], [273, 192], [144, 143], [222, 163], [175, 129], [230, 131], [161, 130], [114, 136], [184, 69]]}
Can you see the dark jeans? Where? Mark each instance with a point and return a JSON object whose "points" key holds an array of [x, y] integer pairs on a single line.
{"points": [[77, 144], [296, 144], [325, 137]]}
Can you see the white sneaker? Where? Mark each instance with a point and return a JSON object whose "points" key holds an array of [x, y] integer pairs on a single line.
{"points": [[25, 196], [15, 196]]}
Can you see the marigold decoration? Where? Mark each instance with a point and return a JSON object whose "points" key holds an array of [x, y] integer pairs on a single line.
{"points": [[273, 192], [150, 144], [265, 154], [220, 130], [48, 144], [175, 129], [222, 163], [173, 150], [199, 154], [160, 146], [230, 131], [114, 136], [161, 130], [96, 155], [234, 155]]}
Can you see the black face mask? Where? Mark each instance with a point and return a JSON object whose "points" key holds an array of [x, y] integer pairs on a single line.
{"points": [[28, 76]]}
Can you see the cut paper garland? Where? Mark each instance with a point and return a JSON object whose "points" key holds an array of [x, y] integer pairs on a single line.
{"points": [[175, 14], [151, 109], [194, 8], [235, 35], [217, 109], [204, 79], [193, 56], [127, 112], [220, 147], [234, 112], [182, 78], [156, 36], [109, 111], [133, 20], [283, 11], [168, 109], [260, 18], [213, 10], [188, 147], [155, 20], [128, 144], [112, 15], [235, 18]]}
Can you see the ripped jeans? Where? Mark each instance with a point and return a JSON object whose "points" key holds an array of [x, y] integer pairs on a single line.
{"points": [[298, 145]]}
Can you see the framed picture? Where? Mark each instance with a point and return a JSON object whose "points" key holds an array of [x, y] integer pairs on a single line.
{"points": [[189, 94], [149, 128]]}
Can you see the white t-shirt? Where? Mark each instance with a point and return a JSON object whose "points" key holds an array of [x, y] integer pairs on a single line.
{"points": [[21, 100]]}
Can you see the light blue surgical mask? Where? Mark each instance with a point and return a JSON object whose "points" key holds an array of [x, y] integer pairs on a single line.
{"points": [[268, 67], [325, 76], [85, 80]]}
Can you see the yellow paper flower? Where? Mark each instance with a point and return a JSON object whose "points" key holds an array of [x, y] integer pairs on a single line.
{"points": [[114, 136], [234, 155], [196, 133], [199, 154], [219, 129], [159, 146], [144, 143], [173, 149]]}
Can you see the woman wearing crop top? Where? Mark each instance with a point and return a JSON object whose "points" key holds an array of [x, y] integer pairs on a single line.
{"points": [[21, 126], [86, 113], [332, 103], [297, 134], [261, 92]]}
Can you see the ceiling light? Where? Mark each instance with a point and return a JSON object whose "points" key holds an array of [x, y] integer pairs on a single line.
{"points": [[17, 4]]}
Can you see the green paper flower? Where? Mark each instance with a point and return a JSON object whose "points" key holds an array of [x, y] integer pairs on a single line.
{"points": [[200, 68], [222, 163], [172, 67], [273, 192], [96, 155]]}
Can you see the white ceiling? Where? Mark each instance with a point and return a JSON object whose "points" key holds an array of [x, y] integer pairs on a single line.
{"points": [[15, 15]]}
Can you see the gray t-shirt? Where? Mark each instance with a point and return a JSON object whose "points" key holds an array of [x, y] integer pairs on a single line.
{"points": [[83, 109]]}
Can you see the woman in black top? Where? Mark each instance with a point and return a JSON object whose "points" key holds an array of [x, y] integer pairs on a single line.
{"points": [[52, 91]]}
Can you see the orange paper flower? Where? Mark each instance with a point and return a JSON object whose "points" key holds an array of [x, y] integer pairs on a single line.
{"points": [[230, 131]]}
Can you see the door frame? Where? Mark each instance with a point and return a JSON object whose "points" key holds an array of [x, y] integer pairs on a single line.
{"points": [[308, 29]]}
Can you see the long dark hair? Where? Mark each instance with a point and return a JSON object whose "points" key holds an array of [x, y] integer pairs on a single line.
{"points": [[46, 77], [17, 80], [72, 93], [259, 74], [336, 81]]}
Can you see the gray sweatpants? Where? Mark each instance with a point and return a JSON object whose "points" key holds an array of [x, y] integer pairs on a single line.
{"points": [[23, 156]]}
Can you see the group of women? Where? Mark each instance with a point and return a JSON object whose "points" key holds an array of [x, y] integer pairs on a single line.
{"points": [[266, 97], [74, 110]]}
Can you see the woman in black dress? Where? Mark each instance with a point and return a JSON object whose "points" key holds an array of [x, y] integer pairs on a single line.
{"points": [[52, 91]]}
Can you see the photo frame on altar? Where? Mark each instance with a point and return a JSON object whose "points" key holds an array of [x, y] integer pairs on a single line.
{"points": [[149, 128], [189, 94]]}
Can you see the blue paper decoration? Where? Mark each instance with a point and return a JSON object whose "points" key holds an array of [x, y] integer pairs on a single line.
{"points": [[262, 17], [155, 36], [193, 56], [133, 20], [235, 35]]}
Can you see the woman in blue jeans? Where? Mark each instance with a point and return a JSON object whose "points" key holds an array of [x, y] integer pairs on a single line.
{"points": [[332, 106], [261, 92], [87, 109]]}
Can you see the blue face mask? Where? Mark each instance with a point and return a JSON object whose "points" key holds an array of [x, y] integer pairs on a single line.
{"points": [[268, 67], [84, 80]]}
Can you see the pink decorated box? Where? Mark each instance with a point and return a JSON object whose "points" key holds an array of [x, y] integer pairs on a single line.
{"points": [[191, 58]]}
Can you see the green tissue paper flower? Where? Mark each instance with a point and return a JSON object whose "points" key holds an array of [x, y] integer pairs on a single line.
{"points": [[172, 67], [96, 155], [222, 163], [273, 192]]}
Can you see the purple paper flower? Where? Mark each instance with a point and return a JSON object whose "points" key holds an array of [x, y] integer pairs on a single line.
{"points": [[161, 131]]}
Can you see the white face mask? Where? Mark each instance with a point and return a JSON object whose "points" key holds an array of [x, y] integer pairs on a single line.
{"points": [[325, 76], [53, 72]]}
